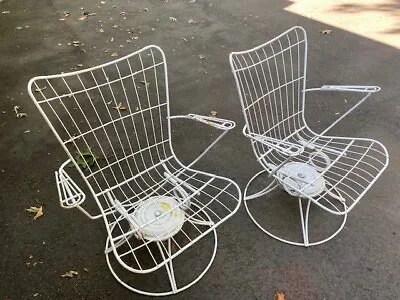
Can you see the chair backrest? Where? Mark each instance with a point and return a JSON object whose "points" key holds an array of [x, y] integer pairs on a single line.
{"points": [[117, 112], [270, 80]]}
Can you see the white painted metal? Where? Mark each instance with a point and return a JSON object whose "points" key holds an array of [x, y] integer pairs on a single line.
{"points": [[154, 207], [330, 172]]}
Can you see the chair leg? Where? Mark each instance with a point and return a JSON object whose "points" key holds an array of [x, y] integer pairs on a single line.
{"points": [[270, 187], [304, 221], [166, 253], [169, 266]]}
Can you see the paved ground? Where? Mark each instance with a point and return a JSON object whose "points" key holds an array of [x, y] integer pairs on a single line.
{"points": [[361, 263]]}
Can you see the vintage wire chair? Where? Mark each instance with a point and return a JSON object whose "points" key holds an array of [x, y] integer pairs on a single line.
{"points": [[330, 172], [113, 121]]}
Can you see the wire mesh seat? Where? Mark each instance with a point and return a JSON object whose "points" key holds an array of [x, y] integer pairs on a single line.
{"points": [[330, 172], [114, 123]]}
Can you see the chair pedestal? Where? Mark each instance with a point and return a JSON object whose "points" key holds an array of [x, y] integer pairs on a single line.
{"points": [[166, 253], [304, 214]]}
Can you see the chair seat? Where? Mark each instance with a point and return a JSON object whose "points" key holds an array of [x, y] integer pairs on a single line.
{"points": [[348, 166]]}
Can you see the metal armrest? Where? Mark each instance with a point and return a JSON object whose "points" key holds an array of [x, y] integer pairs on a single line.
{"points": [[347, 88], [219, 123], [222, 124], [368, 90], [70, 194], [284, 147]]}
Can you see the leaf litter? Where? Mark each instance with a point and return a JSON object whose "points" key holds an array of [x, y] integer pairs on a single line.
{"points": [[147, 84], [70, 274], [19, 114], [326, 31], [280, 296], [119, 107], [37, 90], [85, 159], [38, 211]]}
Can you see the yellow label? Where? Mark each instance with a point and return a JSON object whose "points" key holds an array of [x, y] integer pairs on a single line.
{"points": [[165, 206]]}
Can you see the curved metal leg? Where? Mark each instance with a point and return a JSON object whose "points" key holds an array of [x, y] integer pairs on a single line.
{"points": [[166, 253], [273, 185], [304, 216]]}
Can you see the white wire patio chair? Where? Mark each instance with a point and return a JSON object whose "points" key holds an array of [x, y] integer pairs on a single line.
{"points": [[330, 172], [113, 121]]}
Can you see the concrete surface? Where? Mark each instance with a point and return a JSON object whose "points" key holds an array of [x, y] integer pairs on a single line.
{"points": [[361, 263]]}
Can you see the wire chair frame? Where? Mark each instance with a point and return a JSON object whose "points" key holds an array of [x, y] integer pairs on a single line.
{"points": [[114, 123], [331, 172]]}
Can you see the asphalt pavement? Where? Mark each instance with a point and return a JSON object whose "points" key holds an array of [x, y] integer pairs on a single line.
{"points": [[37, 37]]}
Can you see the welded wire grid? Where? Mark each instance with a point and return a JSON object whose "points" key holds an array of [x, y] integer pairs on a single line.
{"points": [[118, 113], [271, 80]]}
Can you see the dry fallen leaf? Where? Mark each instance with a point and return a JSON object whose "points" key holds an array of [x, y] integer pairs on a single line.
{"points": [[147, 84], [70, 274], [17, 113], [40, 89], [37, 210], [326, 31], [172, 19], [119, 107], [115, 54], [21, 115], [279, 296], [213, 113], [84, 17], [16, 108]]}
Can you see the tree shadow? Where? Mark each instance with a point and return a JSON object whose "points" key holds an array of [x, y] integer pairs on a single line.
{"points": [[390, 8]]}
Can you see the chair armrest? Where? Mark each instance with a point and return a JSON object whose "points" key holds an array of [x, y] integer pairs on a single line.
{"points": [[284, 147], [366, 90], [347, 88], [218, 123], [222, 124], [69, 193]]}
